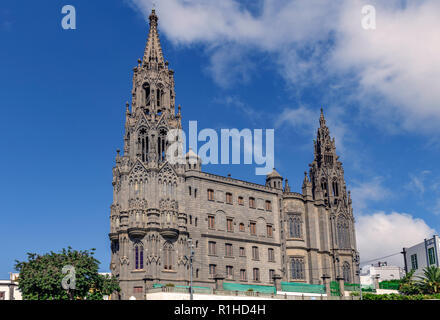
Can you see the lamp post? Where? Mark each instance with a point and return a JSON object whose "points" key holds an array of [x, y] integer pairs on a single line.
{"points": [[191, 256]]}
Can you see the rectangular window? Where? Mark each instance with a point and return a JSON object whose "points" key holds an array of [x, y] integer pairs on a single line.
{"points": [[189, 190], [271, 255], [242, 227], [211, 222], [212, 269], [242, 252], [252, 203], [228, 250], [229, 272], [229, 198], [195, 193], [269, 231], [431, 256], [243, 276], [210, 195], [212, 248], [137, 290], [256, 274], [271, 274], [414, 264], [268, 205], [241, 201], [230, 225], [2, 295], [253, 228], [255, 254]]}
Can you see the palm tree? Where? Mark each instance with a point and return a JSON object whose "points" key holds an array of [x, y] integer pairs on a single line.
{"points": [[430, 281]]}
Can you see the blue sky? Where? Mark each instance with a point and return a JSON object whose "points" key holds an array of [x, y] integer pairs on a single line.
{"points": [[249, 64]]}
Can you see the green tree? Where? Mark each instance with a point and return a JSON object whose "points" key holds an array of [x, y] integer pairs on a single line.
{"points": [[430, 281], [40, 278], [408, 285]]}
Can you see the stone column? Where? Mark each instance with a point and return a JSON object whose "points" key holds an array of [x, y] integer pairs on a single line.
{"points": [[376, 281], [277, 282], [326, 282], [341, 286]]}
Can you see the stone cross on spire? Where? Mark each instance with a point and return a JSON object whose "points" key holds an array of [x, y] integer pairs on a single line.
{"points": [[153, 50]]}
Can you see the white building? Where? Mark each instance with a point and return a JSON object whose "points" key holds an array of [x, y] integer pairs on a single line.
{"points": [[422, 255], [381, 269], [9, 288]]}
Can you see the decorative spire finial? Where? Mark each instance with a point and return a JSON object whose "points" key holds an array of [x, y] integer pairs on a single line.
{"points": [[322, 119]]}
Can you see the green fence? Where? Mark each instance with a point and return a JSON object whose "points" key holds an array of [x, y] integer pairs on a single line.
{"points": [[302, 287], [248, 287], [334, 289], [355, 287], [390, 285], [196, 289]]}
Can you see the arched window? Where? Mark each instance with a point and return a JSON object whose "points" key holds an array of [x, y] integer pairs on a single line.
{"points": [[168, 256], [295, 226], [297, 269], [143, 144], [346, 273], [324, 187], [162, 144], [146, 87], [139, 256], [343, 228], [335, 188]]}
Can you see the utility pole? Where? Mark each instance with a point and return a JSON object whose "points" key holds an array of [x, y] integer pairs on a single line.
{"points": [[360, 283], [191, 256]]}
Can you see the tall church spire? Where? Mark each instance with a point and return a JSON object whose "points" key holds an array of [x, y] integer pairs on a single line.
{"points": [[326, 172], [153, 50]]}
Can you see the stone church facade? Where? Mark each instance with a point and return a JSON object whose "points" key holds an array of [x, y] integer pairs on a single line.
{"points": [[242, 231]]}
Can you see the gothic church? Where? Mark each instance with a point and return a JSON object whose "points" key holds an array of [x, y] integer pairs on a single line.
{"points": [[244, 232]]}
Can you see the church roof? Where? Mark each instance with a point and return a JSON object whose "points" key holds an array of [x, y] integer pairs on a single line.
{"points": [[153, 50], [273, 174]]}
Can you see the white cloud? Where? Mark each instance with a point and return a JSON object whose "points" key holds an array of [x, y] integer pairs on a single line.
{"points": [[380, 234], [394, 69], [367, 192]]}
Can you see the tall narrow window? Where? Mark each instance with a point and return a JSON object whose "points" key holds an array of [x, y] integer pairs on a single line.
{"points": [[256, 273], [346, 274], [211, 222], [268, 205], [414, 263], [139, 256], [243, 276], [269, 231], [212, 269], [252, 203], [228, 250], [242, 252], [431, 256], [229, 272], [229, 198], [253, 228], [241, 227], [143, 144], [230, 225], [240, 201], [335, 188], [297, 269], [168, 256], [271, 274], [270, 255], [146, 87], [295, 226], [212, 248], [210, 195], [343, 233], [255, 254]]}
